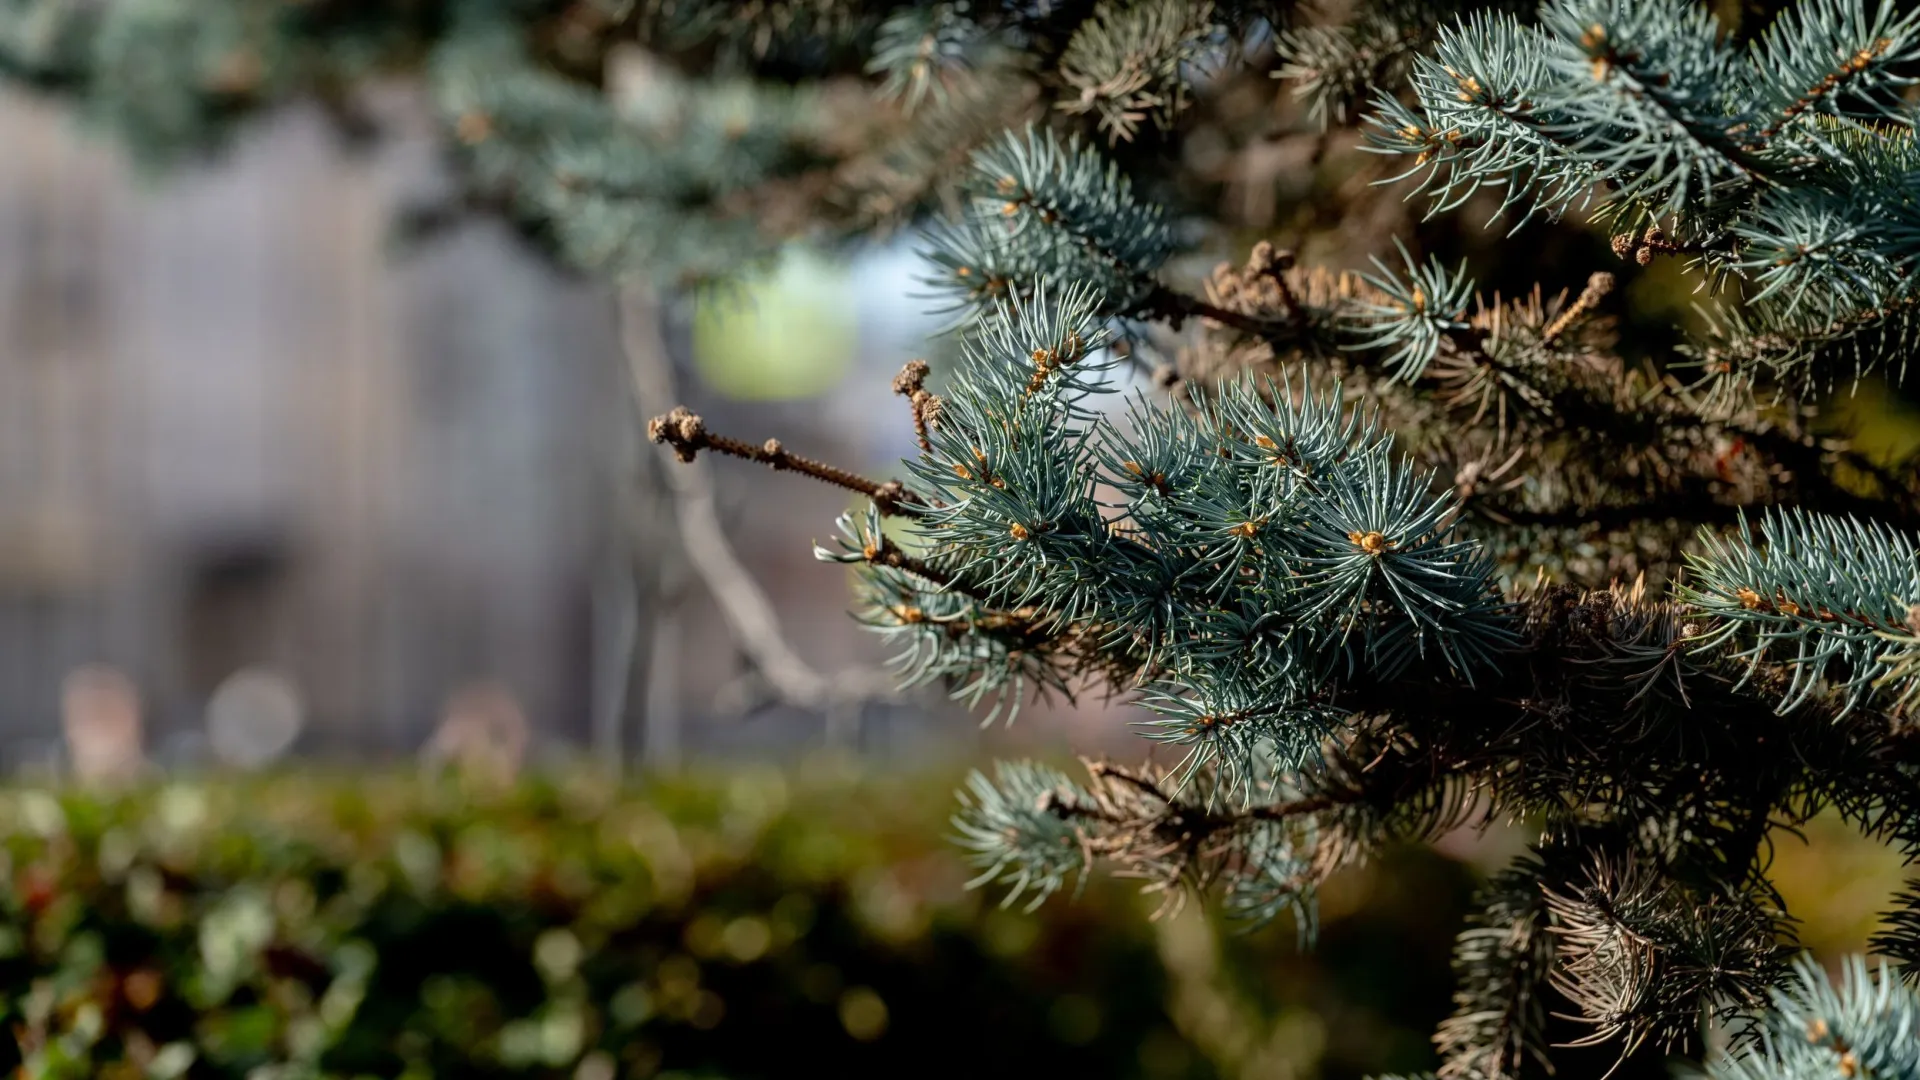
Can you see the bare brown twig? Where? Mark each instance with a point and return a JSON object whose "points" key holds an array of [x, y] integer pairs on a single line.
{"points": [[911, 384], [884, 552], [684, 431], [1177, 307], [1598, 286], [749, 613]]}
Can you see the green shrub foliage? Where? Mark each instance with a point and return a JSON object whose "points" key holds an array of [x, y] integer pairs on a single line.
{"points": [[1381, 555], [312, 927]]}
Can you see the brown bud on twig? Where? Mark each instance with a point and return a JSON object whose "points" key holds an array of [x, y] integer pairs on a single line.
{"points": [[889, 495], [911, 379], [911, 384], [1266, 259], [681, 429]]}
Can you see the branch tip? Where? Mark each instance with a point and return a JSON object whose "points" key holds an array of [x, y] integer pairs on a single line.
{"points": [[687, 434], [682, 429], [911, 384], [912, 378]]}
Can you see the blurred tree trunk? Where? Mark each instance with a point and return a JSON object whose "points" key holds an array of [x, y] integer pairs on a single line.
{"points": [[637, 622]]}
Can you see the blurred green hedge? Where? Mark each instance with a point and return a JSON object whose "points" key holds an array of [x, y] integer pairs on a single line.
{"points": [[760, 924]]}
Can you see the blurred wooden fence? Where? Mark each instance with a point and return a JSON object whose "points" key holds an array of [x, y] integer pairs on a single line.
{"points": [[235, 432]]}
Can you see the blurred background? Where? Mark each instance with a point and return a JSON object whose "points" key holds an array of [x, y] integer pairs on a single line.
{"points": [[287, 491], [248, 432]]}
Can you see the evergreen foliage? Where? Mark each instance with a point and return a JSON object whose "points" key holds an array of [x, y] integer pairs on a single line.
{"points": [[1365, 563], [1867, 1026], [1788, 165]]}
